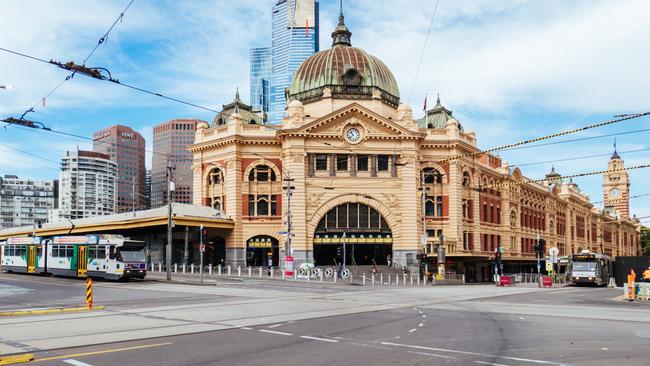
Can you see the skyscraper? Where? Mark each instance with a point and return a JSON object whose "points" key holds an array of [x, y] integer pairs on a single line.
{"points": [[260, 74], [88, 185], [170, 142], [24, 201], [294, 37], [126, 147]]}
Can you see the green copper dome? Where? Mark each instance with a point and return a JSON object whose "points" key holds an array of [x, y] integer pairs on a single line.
{"points": [[349, 72], [237, 106]]}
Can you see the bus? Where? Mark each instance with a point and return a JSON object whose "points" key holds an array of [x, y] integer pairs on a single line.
{"points": [[591, 268], [111, 257]]}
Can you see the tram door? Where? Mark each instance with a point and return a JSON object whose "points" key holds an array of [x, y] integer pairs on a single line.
{"points": [[82, 260], [31, 258]]}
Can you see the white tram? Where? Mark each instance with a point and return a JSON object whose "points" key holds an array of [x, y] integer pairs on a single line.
{"points": [[101, 256]]}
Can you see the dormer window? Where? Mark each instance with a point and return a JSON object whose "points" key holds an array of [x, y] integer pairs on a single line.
{"points": [[352, 78]]}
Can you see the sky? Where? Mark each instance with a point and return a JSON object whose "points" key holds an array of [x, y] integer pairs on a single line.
{"points": [[510, 70]]}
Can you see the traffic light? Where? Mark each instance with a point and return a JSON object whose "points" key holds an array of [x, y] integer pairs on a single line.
{"points": [[497, 255], [542, 247], [423, 257], [204, 234]]}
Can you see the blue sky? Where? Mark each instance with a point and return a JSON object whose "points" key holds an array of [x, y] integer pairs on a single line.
{"points": [[510, 70]]}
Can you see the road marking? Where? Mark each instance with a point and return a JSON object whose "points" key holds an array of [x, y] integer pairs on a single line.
{"points": [[424, 315], [245, 328], [275, 332], [433, 355], [489, 363], [76, 363], [320, 339], [522, 318], [275, 325], [100, 352], [412, 330], [472, 353], [421, 324]]}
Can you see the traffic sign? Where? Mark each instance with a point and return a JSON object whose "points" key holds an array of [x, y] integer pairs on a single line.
{"points": [[553, 251], [549, 266], [283, 232]]}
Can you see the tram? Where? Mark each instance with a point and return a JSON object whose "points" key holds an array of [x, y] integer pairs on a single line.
{"points": [[111, 257], [591, 268]]}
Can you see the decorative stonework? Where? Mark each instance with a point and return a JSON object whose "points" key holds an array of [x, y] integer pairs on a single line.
{"points": [[296, 158], [313, 199], [392, 200]]}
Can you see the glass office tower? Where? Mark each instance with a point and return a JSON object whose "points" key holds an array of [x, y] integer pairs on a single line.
{"points": [[294, 37], [260, 74]]}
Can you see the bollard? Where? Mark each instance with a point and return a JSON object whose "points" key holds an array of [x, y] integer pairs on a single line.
{"points": [[238, 271], [210, 269], [159, 267], [295, 275], [418, 281], [183, 270], [381, 278], [404, 282], [363, 279], [219, 270], [250, 272], [229, 270], [373, 279], [192, 268], [389, 279], [260, 272], [151, 266], [425, 279], [411, 280], [335, 275], [89, 293], [320, 274], [283, 274], [308, 275]]}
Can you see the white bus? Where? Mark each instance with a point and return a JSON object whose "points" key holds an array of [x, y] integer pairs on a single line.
{"points": [[101, 256]]}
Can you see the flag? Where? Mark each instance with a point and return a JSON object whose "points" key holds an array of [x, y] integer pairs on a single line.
{"points": [[307, 27], [425, 103]]}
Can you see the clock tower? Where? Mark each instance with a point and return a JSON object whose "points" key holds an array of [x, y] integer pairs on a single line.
{"points": [[616, 186]]}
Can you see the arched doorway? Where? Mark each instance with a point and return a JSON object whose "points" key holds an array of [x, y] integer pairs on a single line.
{"points": [[359, 228], [262, 250]]}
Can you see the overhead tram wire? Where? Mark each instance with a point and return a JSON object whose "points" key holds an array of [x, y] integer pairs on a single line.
{"points": [[71, 75], [526, 180], [616, 200], [576, 158], [623, 118], [424, 47]]}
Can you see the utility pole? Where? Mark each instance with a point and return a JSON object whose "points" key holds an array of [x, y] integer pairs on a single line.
{"points": [[425, 238], [289, 188], [537, 251], [168, 251]]}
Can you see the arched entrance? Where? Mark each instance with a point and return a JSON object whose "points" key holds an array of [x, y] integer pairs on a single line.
{"points": [[262, 250], [359, 228], [215, 251]]}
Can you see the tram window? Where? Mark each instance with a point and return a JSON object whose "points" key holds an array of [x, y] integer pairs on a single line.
{"points": [[39, 251], [382, 163], [362, 163], [111, 252], [101, 252], [69, 251]]}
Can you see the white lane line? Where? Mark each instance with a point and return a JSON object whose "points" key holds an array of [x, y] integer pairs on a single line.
{"points": [[489, 363], [433, 355], [245, 328], [320, 339], [76, 363], [412, 330], [275, 332], [522, 318], [424, 315], [275, 325], [421, 324], [473, 353]]}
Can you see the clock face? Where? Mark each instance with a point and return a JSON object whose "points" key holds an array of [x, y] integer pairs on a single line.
{"points": [[353, 135], [615, 192]]}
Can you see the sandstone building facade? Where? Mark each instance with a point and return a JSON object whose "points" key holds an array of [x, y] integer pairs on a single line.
{"points": [[356, 161]]}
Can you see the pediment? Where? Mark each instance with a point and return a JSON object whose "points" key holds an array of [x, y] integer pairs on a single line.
{"points": [[373, 124]]}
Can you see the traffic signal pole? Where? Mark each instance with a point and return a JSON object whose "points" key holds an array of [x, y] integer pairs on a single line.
{"points": [[537, 251]]}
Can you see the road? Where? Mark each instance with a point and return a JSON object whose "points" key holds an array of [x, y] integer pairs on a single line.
{"points": [[278, 323]]}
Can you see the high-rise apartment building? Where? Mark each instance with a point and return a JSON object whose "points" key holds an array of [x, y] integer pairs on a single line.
{"points": [[260, 74], [294, 37], [126, 147], [24, 202], [88, 185], [170, 142]]}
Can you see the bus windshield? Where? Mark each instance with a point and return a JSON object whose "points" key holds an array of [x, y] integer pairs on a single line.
{"points": [[584, 266]]}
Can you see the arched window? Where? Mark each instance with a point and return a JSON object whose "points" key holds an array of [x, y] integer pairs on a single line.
{"points": [[513, 219], [216, 189], [262, 173], [431, 176], [466, 179], [264, 192]]}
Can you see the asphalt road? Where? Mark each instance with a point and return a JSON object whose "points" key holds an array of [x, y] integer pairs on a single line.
{"points": [[284, 323]]}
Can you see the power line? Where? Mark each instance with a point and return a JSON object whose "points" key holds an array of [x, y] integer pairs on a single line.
{"points": [[577, 158], [525, 142], [577, 139], [616, 200], [105, 36], [424, 47], [526, 181]]}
